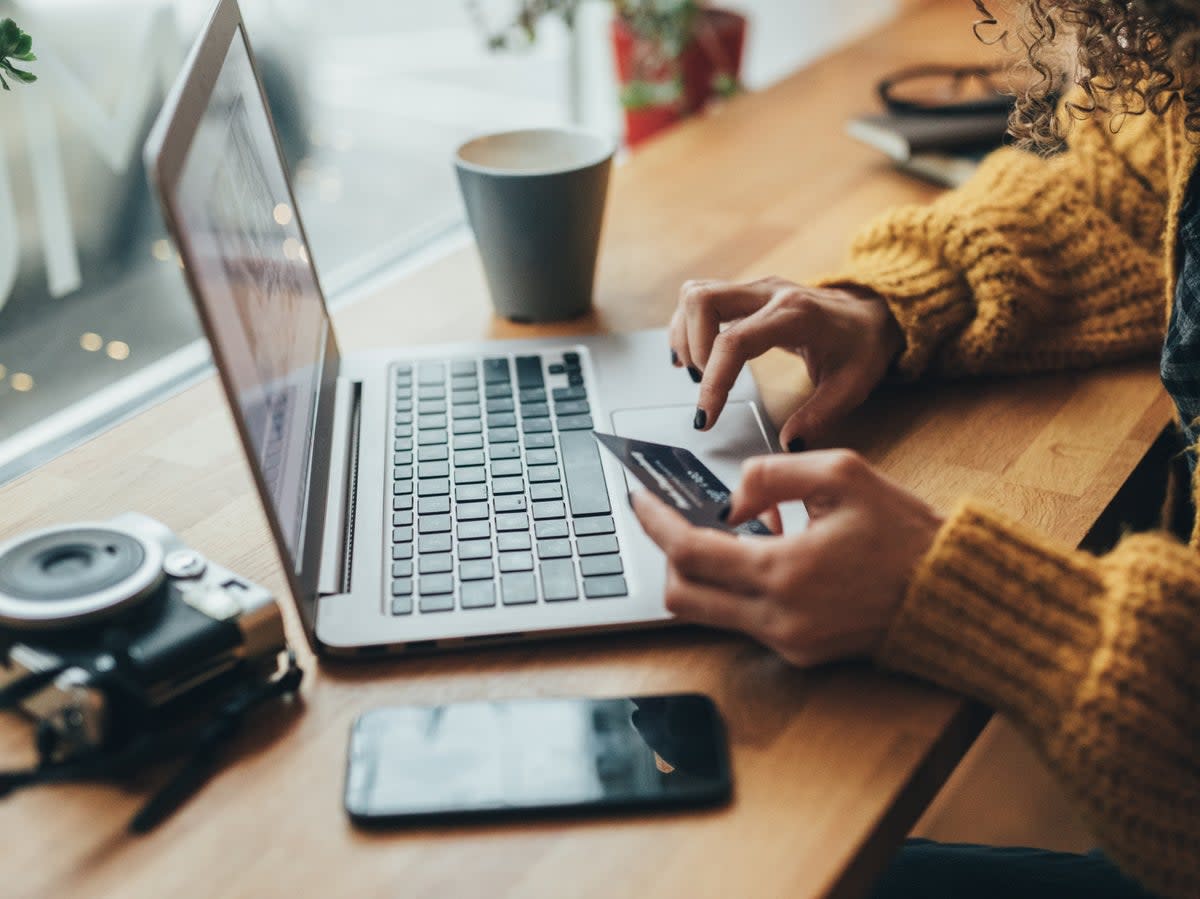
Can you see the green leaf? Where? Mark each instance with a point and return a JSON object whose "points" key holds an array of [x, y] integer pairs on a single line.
{"points": [[28, 57], [4, 84], [9, 35], [26, 77], [24, 45]]}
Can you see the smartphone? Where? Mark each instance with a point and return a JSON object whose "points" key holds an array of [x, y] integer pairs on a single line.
{"points": [[487, 759]]}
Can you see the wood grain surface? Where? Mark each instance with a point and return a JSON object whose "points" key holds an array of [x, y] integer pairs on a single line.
{"points": [[831, 767]]}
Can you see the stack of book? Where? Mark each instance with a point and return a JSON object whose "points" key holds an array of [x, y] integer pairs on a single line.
{"points": [[941, 147]]}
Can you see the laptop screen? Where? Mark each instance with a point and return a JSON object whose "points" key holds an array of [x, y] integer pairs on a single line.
{"points": [[254, 280]]}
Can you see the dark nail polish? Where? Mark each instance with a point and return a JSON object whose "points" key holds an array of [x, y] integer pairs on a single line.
{"points": [[675, 358], [700, 420], [695, 373], [796, 445], [723, 515]]}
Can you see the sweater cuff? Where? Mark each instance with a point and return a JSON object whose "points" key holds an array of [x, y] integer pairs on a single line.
{"points": [[999, 615]]}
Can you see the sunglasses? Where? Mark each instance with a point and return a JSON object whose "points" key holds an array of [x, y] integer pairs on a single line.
{"points": [[944, 90]]}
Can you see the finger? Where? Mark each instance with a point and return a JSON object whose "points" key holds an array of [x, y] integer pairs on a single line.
{"points": [[709, 303], [731, 350], [702, 554], [677, 337], [711, 606], [834, 397], [820, 478], [772, 519]]}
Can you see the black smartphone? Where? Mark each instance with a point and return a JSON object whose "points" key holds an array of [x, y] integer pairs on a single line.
{"points": [[513, 757]]}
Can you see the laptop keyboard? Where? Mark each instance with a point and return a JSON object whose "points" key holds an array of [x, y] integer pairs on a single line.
{"points": [[498, 494]]}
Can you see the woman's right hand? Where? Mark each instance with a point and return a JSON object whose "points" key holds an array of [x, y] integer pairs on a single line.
{"points": [[847, 338]]}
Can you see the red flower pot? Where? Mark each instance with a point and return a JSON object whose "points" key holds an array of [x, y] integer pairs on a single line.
{"points": [[657, 91]]}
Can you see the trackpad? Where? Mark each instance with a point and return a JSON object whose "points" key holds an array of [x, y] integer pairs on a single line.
{"points": [[737, 435]]}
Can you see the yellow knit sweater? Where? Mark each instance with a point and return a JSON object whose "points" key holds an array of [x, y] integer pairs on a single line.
{"points": [[1043, 264]]}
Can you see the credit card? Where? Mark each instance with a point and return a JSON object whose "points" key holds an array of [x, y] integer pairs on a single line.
{"points": [[680, 480]]}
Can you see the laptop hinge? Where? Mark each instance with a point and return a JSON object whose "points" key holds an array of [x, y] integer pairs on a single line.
{"points": [[338, 536]]}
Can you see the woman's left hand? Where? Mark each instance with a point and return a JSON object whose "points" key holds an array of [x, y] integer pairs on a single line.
{"points": [[825, 593]]}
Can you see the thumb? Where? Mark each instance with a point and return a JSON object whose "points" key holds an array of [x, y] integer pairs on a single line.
{"points": [[833, 398], [820, 479]]}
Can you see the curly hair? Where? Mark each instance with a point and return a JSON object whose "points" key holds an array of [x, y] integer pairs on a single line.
{"points": [[1127, 57]]}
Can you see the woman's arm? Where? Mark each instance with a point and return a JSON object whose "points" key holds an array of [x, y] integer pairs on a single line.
{"points": [[1096, 659], [1036, 263]]}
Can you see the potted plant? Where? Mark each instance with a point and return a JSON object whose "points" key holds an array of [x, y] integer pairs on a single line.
{"points": [[14, 44], [672, 56]]}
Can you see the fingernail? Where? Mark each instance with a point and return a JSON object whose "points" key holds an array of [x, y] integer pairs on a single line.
{"points": [[796, 445], [675, 358], [723, 515], [700, 420], [695, 373]]}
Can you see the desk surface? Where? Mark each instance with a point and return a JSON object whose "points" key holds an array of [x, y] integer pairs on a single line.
{"points": [[831, 766]]}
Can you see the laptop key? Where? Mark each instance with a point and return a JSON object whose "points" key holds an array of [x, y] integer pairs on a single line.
{"points": [[470, 475], [402, 535], [431, 407], [402, 458], [434, 584], [536, 425], [533, 395], [461, 367], [403, 444], [569, 393], [466, 410], [402, 551], [402, 519], [512, 522], [518, 589], [433, 505], [557, 368], [604, 587], [433, 470], [539, 441], [550, 509], [575, 423], [478, 594], [433, 543], [506, 468], [468, 457], [502, 435], [474, 549], [402, 568], [437, 563], [495, 370], [468, 441], [467, 397], [402, 472], [540, 492], [518, 561], [504, 451], [575, 379], [403, 430], [513, 541], [474, 530], [572, 407], [438, 602], [472, 511], [403, 416], [558, 580], [586, 488], [433, 453], [586, 527], [500, 404], [431, 422], [403, 604], [497, 391], [467, 426], [593, 565], [535, 410], [539, 474], [545, 530], [431, 438], [476, 570], [512, 502], [508, 485], [431, 372], [502, 420], [433, 524], [596, 546], [529, 371], [554, 549], [433, 487], [431, 392], [400, 503], [470, 493], [541, 457]]}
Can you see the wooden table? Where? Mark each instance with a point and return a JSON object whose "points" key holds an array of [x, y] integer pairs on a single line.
{"points": [[831, 766]]}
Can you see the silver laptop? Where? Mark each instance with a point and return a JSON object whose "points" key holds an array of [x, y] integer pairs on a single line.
{"points": [[426, 497]]}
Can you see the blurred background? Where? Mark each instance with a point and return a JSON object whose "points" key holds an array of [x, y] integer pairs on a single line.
{"points": [[370, 97]]}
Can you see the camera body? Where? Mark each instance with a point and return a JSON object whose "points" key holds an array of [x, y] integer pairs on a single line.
{"points": [[115, 623]]}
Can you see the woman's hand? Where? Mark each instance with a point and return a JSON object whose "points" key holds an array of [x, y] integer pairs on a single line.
{"points": [[847, 339], [826, 593]]}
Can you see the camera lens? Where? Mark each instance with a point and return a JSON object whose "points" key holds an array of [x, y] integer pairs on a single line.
{"points": [[64, 575]]}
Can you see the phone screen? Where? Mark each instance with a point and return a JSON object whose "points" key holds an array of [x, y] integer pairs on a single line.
{"points": [[487, 758]]}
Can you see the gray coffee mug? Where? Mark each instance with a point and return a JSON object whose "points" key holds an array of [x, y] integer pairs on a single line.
{"points": [[535, 200]]}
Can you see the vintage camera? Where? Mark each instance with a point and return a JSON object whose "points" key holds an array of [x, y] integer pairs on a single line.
{"points": [[109, 629]]}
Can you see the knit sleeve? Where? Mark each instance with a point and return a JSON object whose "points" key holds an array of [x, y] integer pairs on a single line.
{"points": [[1096, 659], [1036, 263]]}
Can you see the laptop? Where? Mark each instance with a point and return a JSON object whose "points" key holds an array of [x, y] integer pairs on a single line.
{"points": [[427, 497]]}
